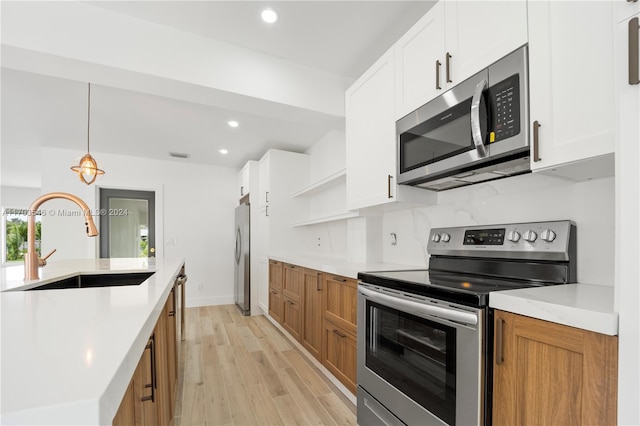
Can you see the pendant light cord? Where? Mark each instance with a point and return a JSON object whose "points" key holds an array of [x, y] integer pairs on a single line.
{"points": [[88, 115]]}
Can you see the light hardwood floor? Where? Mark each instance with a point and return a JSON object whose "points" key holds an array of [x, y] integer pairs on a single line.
{"points": [[238, 370]]}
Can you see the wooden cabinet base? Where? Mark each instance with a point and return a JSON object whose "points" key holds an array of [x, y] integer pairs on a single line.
{"points": [[551, 374], [339, 354]]}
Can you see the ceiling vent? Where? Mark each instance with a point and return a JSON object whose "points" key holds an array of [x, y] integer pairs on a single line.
{"points": [[179, 155]]}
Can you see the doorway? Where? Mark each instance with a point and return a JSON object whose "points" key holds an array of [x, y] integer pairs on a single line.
{"points": [[127, 223]]}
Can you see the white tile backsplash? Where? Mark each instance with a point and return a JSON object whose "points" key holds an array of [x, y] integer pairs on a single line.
{"points": [[526, 198]]}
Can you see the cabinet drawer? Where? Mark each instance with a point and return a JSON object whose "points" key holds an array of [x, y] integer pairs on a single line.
{"points": [[275, 275], [339, 354], [340, 301], [292, 283], [276, 305], [292, 318]]}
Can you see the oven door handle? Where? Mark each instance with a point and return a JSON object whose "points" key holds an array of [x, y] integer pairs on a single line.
{"points": [[476, 129], [420, 309]]}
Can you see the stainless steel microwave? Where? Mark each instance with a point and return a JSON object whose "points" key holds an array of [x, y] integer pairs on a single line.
{"points": [[475, 132]]}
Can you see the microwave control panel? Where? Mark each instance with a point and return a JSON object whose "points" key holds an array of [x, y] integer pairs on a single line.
{"points": [[505, 97]]}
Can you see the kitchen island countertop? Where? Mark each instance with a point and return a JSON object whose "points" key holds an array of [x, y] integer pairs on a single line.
{"points": [[585, 306], [68, 355]]}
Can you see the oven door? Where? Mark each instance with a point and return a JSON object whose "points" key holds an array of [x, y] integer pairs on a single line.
{"points": [[420, 359]]}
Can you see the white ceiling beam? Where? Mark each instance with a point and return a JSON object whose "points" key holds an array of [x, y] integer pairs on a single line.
{"points": [[126, 50]]}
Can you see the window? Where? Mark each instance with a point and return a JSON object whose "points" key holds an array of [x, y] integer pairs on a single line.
{"points": [[15, 234]]}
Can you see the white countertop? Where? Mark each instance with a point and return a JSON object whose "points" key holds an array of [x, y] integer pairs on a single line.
{"points": [[339, 266], [68, 355], [585, 306]]}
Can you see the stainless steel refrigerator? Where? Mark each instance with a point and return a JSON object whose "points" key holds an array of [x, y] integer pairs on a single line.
{"points": [[242, 260]]}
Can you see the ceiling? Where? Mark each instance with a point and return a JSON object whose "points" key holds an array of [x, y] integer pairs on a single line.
{"points": [[337, 37]]}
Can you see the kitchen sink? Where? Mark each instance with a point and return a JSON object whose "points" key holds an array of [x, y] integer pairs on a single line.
{"points": [[97, 280]]}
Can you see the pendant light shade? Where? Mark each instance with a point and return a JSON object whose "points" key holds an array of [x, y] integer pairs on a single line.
{"points": [[87, 169]]}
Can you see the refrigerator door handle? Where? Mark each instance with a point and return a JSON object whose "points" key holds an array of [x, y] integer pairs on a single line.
{"points": [[238, 246]]}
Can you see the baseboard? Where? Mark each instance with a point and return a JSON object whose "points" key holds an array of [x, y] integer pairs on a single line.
{"points": [[209, 301], [265, 309], [311, 358]]}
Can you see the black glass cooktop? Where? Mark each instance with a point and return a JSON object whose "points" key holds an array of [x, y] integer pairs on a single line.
{"points": [[470, 290]]}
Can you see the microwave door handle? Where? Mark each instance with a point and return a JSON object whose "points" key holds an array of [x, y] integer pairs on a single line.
{"points": [[476, 132]]}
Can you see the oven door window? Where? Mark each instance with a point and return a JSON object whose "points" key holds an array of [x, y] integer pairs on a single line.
{"points": [[442, 136], [415, 355]]}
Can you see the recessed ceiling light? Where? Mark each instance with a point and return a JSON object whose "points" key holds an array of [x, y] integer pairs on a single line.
{"points": [[269, 16], [223, 151], [233, 123]]}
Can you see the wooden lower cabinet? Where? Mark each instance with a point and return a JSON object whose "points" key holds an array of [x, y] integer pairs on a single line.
{"points": [[172, 347], [312, 313], [339, 354], [126, 414], [276, 301], [151, 396], [551, 374], [292, 318], [341, 301], [319, 310]]}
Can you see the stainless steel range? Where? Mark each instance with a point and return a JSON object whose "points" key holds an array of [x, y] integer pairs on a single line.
{"points": [[425, 337]]}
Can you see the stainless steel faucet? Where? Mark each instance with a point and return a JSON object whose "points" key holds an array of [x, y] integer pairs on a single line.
{"points": [[31, 259]]}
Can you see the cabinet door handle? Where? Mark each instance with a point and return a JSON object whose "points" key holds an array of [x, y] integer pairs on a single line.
{"points": [[536, 136], [499, 341], [152, 353], [339, 334], [172, 312], [266, 196], [634, 75], [241, 190], [266, 211], [318, 285], [448, 67], [389, 177], [438, 65]]}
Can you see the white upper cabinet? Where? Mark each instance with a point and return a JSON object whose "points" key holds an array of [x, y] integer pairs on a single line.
{"points": [[454, 40], [478, 33], [371, 140], [371, 134], [571, 86], [627, 8], [420, 62], [244, 178]]}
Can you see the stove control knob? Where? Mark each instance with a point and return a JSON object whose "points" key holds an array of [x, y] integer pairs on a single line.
{"points": [[530, 236], [548, 235], [513, 236], [435, 238], [446, 237]]}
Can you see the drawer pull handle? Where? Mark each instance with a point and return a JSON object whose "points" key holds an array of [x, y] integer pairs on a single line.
{"points": [[342, 280], [339, 334]]}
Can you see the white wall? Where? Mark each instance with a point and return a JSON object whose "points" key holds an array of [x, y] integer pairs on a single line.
{"points": [[327, 156], [16, 197], [526, 198], [194, 215]]}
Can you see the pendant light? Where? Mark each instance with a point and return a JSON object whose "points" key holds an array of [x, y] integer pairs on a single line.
{"points": [[87, 169]]}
